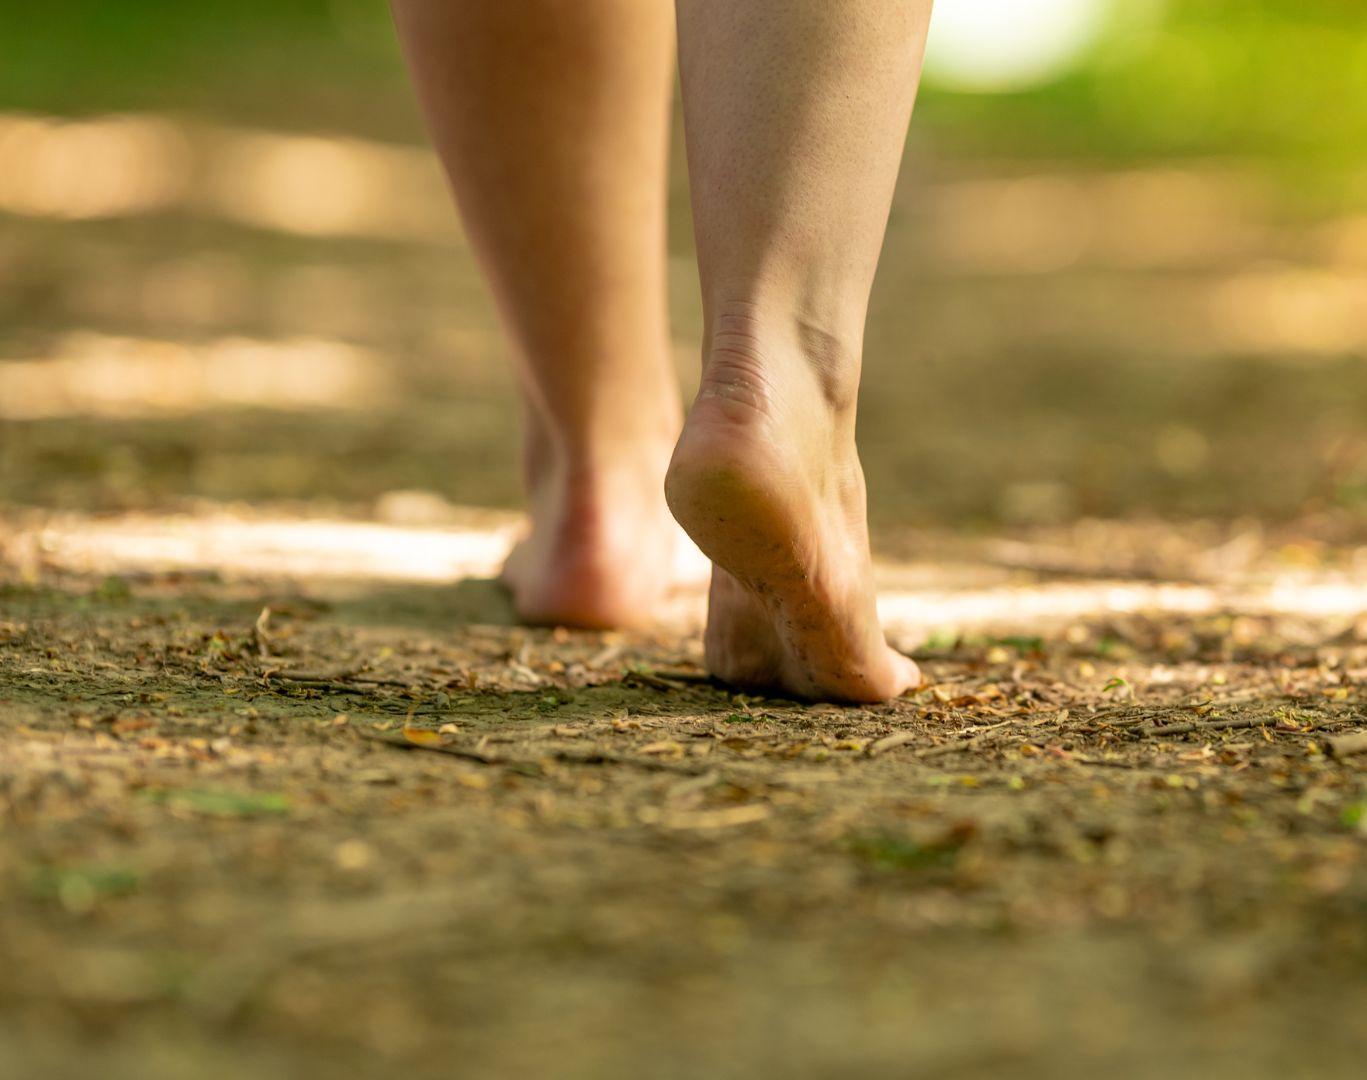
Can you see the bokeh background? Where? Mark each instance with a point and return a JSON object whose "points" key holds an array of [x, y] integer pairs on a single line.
{"points": [[1126, 274]]}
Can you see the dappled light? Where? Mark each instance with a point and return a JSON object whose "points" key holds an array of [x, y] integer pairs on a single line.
{"points": [[270, 547], [319, 186], [946, 598], [1293, 310], [96, 375], [1135, 220], [105, 167], [122, 165]]}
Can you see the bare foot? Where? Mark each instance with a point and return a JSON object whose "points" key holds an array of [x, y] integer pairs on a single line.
{"points": [[603, 551], [767, 481]]}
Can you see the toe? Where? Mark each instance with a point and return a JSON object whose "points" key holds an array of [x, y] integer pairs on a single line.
{"points": [[907, 673]]}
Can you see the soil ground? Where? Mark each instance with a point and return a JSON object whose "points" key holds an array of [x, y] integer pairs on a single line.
{"points": [[338, 828]]}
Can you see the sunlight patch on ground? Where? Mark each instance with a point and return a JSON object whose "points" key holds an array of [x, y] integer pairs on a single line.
{"points": [[111, 166], [124, 377], [118, 166], [1292, 309], [1024, 604], [324, 549], [317, 186], [1138, 219], [272, 547]]}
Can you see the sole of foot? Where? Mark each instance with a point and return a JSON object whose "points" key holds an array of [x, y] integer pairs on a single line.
{"points": [[777, 504]]}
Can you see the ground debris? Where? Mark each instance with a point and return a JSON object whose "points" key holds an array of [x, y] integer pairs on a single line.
{"points": [[237, 827]]}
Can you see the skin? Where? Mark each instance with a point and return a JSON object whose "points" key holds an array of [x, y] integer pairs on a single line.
{"points": [[551, 118], [795, 115]]}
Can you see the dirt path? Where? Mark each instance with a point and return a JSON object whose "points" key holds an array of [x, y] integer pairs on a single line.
{"points": [[363, 833]]}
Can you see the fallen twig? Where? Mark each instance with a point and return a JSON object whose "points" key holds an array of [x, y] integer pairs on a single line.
{"points": [[973, 743], [1110, 763], [950, 748], [320, 684], [261, 633], [655, 682], [334, 677], [1139, 713], [401, 741], [1203, 725], [427, 740], [697, 678], [888, 742]]}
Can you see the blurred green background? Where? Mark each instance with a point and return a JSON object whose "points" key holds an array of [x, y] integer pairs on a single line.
{"points": [[1129, 282]]}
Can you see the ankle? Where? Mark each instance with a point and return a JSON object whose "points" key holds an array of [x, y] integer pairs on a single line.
{"points": [[591, 488], [608, 462], [760, 351]]}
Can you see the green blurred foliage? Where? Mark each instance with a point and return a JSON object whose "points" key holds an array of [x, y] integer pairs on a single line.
{"points": [[306, 63], [1271, 78], [1267, 78]]}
